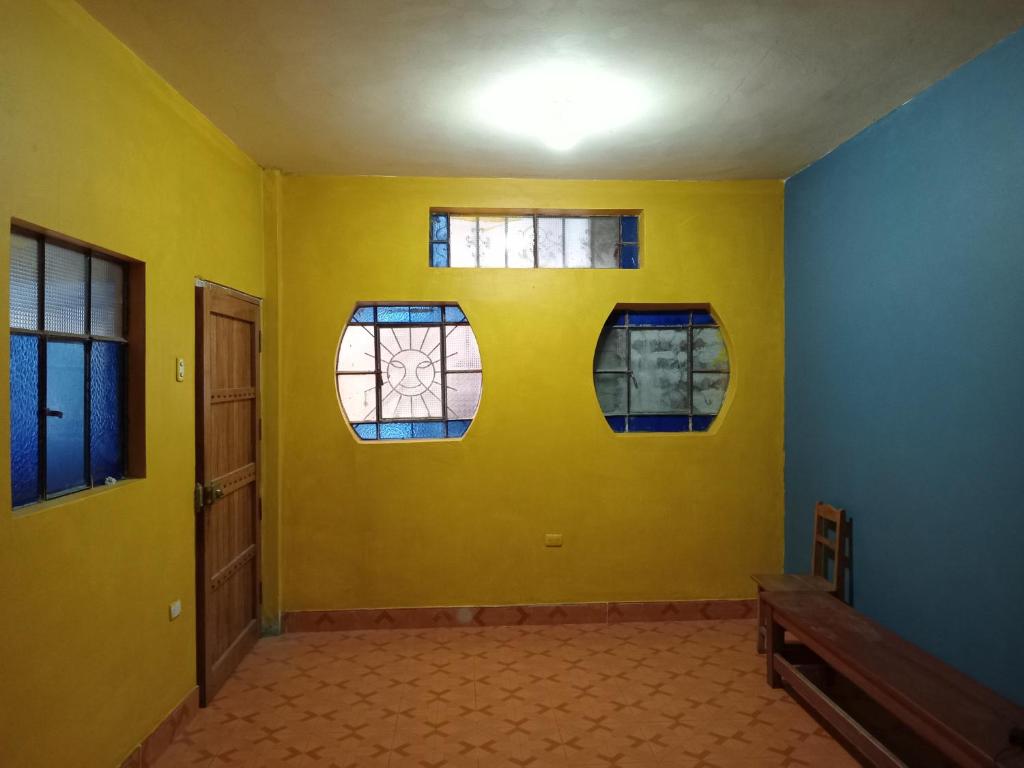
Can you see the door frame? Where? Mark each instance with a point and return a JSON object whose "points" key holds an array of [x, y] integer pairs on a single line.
{"points": [[202, 386]]}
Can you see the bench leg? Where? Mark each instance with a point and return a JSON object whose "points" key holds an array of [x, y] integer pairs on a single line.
{"points": [[774, 637], [761, 631]]}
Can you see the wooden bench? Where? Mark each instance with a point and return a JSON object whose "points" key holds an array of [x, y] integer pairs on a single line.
{"points": [[963, 720]]}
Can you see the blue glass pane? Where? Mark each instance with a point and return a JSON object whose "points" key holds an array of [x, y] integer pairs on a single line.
{"points": [[439, 227], [24, 419], [398, 430], [659, 318], [458, 428], [454, 315], [428, 429], [629, 257], [363, 315], [65, 433], [618, 318], [630, 229], [617, 423], [659, 423], [439, 255], [366, 431], [392, 314], [105, 411], [703, 318], [425, 314], [701, 423]]}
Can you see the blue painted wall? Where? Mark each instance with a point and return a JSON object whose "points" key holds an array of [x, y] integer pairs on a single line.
{"points": [[905, 364]]}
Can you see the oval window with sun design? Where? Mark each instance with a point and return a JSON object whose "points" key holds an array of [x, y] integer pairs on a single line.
{"points": [[409, 372], [661, 370]]}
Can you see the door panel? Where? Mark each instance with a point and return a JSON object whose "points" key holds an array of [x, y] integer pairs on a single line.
{"points": [[228, 506]]}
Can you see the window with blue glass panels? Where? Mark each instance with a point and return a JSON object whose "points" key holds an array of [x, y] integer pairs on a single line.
{"points": [[68, 319], [526, 241], [661, 370], [409, 372]]}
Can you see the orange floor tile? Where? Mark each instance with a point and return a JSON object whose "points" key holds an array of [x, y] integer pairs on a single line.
{"points": [[674, 694]]}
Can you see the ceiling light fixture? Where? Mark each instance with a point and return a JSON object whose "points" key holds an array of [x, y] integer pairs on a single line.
{"points": [[561, 103]]}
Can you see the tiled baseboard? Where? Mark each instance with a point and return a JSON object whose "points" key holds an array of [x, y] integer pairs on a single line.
{"points": [[154, 745], [512, 615]]}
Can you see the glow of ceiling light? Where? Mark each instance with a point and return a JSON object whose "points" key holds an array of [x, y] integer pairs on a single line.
{"points": [[561, 103]]}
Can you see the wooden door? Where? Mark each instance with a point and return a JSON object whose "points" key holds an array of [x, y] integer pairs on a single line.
{"points": [[228, 482]]}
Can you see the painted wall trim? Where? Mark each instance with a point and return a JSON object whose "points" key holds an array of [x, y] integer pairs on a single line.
{"points": [[517, 615], [156, 743]]}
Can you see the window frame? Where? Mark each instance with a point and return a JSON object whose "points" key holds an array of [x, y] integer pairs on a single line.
{"points": [[132, 346], [620, 319], [536, 214]]}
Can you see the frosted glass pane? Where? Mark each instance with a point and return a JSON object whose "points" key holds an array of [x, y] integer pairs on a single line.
{"points": [[520, 242], [107, 299], [357, 349], [358, 393], [463, 241], [659, 366], [463, 394], [65, 429], [65, 290], [709, 353], [410, 363], [604, 234], [611, 392], [577, 243], [492, 241], [461, 349], [24, 282], [24, 419], [709, 392], [611, 350], [550, 243], [105, 410]]}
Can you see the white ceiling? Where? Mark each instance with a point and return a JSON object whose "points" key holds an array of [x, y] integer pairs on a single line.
{"points": [[741, 88]]}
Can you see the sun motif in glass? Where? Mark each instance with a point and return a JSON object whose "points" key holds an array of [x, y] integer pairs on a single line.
{"points": [[409, 371]]}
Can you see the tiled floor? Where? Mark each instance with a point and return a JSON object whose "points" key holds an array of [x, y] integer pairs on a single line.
{"points": [[679, 694]]}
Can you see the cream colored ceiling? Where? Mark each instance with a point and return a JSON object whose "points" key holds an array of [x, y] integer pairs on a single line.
{"points": [[741, 88]]}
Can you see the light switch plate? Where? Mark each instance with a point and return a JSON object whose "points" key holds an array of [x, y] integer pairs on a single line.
{"points": [[175, 609], [552, 539]]}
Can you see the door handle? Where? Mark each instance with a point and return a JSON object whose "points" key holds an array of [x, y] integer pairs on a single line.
{"points": [[51, 412], [212, 493]]}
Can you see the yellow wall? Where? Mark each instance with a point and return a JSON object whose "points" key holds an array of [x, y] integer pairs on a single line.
{"points": [[94, 145], [462, 522]]}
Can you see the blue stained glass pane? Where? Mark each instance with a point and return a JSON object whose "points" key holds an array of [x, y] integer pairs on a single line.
{"points": [[630, 229], [439, 255], [392, 314], [629, 257], [428, 429], [454, 315], [105, 411], [366, 431], [703, 318], [439, 227], [363, 315], [659, 318], [396, 430], [701, 423], [618, 318], [425, 314], [65, 434], [458, 428], [24, 419], [617, 423], [659, 423]]}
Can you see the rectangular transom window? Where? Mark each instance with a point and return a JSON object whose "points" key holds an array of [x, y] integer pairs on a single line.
{"points": [[70, 341], [532, 240]]}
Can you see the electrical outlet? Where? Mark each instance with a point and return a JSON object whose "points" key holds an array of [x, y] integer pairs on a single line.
{"points": [[179, 374], [175, 609], [552, 539]]}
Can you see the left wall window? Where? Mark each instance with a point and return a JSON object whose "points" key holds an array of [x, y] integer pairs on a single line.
{"points": [[69, 348]]}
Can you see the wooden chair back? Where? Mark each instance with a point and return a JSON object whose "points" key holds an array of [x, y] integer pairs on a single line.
{"points": [[829, 546]]}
